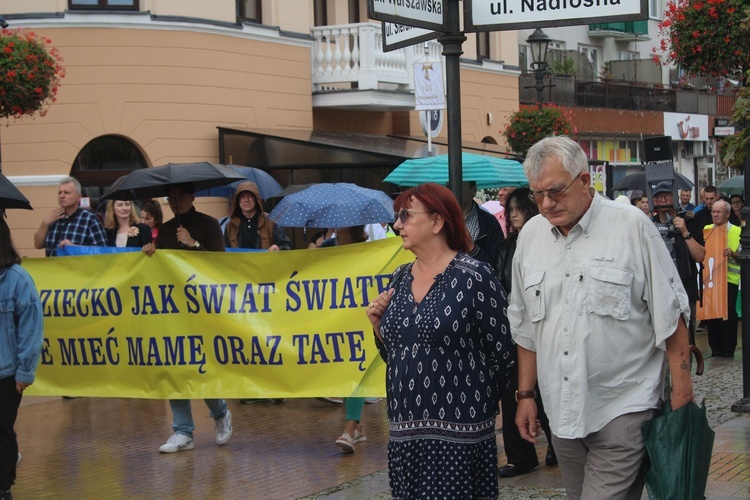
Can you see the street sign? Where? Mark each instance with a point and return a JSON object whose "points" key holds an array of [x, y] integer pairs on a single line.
{"points": [[502, 15], [428, 14], [396, 36]]}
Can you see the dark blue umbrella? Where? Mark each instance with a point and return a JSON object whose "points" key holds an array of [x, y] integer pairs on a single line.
{"points": [[267, 185], [333, 206]]}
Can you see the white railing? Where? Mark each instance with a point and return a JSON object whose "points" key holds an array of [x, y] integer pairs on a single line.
{"points": [[350, 56]]}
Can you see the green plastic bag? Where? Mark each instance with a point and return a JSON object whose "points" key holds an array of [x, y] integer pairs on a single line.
{"points": [[678, 445]]}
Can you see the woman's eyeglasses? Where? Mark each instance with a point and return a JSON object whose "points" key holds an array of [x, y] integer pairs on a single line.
{"points": [[403, 214]]}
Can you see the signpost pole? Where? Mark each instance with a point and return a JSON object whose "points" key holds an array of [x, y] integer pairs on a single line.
{"points": [[452, 41]]}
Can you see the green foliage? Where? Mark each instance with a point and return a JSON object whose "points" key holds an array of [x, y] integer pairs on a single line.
{"points": [[565, 66], [734, 149], [705, 37], [30, 73], [529, 125]]}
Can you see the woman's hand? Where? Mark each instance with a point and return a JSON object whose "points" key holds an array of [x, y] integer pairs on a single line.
{"points": [[376, 309]]}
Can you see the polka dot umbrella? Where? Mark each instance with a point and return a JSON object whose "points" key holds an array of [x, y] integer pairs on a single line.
{"points": [[333, 205]]}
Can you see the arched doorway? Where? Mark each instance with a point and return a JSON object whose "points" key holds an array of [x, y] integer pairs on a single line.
{"points": [[102, 161]]}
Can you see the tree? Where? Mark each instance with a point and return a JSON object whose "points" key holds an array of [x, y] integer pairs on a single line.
{"points": [[705, 37], [735, 148], [529, 125], [30, 73]]}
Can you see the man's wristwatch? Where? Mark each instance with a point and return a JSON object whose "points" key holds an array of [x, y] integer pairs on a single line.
{"points": [[688, 237], [525, 395], [196, 244]]}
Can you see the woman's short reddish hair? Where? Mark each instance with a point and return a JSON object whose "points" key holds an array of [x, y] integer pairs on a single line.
{"points": [[439, 200]]}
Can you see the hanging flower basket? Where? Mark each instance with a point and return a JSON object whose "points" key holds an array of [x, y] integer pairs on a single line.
{"points": [[30, 73], [529, 125]]}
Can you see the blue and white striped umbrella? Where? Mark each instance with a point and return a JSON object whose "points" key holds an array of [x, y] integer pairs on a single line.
{"points": [[333, 205]]}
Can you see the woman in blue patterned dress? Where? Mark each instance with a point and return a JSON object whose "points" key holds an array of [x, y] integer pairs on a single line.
{"points": [[442, 329]]}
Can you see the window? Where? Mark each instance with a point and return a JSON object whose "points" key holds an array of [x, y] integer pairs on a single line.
{"points": [[103, 4], [626, 55], [353, 11], [592, 54], [103, 160], [320, 13], [483, 45], [250, 11], [654, 9]]}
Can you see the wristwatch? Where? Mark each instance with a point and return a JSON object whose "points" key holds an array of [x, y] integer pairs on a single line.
{"points": [[525, 395], [688, 237], [196, 244]]}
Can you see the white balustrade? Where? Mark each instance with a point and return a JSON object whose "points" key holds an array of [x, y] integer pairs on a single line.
{"points": [[350, 56]]}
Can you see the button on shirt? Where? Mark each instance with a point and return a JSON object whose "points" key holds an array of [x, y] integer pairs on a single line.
{"points": [[596, 307]]}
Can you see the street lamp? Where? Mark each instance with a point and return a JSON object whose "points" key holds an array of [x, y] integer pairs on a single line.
{"points": [[539, 43]]}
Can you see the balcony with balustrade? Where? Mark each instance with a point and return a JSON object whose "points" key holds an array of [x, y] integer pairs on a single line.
{"points": [[350, 70]]}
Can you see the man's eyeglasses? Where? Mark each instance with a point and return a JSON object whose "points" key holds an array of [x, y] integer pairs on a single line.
{"points": [[556, 195], [403, 214], [181, 197]]}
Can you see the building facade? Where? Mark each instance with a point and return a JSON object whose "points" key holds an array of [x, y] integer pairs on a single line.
{"points": [[155, 81]]}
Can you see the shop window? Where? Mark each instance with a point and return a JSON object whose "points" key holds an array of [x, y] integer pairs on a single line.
{"points": [[483, 45], [103, 4]]}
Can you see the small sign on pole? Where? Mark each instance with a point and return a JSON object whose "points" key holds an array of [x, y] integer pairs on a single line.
{"points": [[428, 14]]}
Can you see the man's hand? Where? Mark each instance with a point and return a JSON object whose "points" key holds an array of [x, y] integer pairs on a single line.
{"points": [[274, 248], [20, 386], [66, 243], [54, 216], [528, 425], [183, 236]]}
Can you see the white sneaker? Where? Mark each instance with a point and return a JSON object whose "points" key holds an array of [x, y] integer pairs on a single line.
{"points": [[177, 442], [224, 428], [19, 460]]}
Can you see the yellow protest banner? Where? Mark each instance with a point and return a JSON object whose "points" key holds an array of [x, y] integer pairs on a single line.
{"points": [[206, 324]]}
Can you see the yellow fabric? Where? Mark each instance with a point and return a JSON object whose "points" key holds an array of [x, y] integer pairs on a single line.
{"points": [[201, 325]]}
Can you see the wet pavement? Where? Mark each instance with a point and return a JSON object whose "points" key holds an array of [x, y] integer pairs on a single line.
{"points": [[108, 448]]}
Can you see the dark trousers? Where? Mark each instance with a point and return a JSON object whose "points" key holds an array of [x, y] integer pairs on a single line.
{"points": [[520, 453], [722, 334], [10, 400]]}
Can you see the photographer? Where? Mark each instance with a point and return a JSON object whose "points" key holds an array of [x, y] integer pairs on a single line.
{"points": [[683, 236]]}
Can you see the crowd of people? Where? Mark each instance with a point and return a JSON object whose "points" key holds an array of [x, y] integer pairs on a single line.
{"points": [[541, 318]]}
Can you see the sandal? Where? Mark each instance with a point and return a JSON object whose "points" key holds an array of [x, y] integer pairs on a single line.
{"points": [[359, 436], [346, 442]]}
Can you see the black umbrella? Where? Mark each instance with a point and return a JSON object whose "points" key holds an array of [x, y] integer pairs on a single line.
{"points": [[153, 182], [638, 181], [11, 197]]}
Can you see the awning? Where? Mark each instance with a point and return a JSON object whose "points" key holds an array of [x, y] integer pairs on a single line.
{"points": [[306, 149]]}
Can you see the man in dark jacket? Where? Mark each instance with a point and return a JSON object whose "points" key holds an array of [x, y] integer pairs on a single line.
{"points": [[249, 226], [190, 230], [483, 227]]}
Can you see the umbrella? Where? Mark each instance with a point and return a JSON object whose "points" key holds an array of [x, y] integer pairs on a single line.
{"points": [[293, 188], [11, 197], [679, 445], [486, 171], [733, 185], [152, 182], [333, 205], [638, 181], [267, 185]]}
